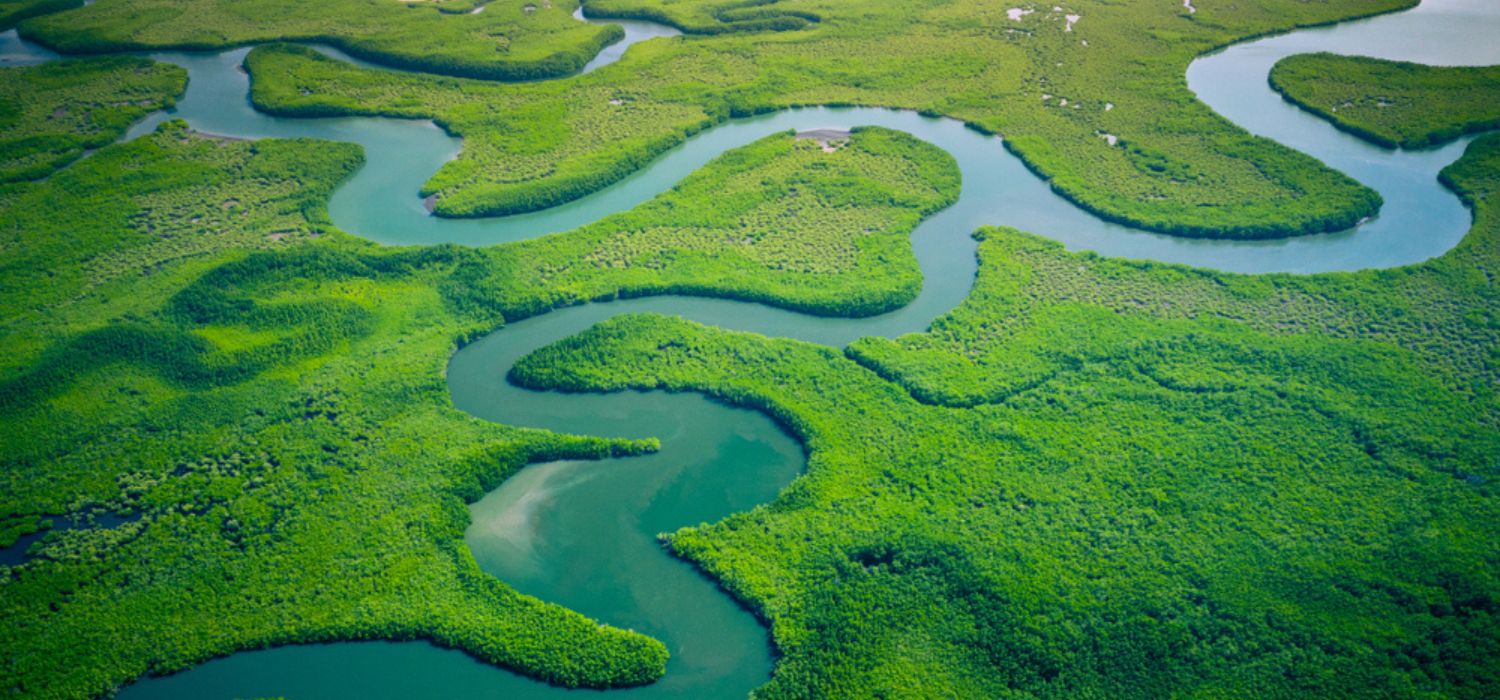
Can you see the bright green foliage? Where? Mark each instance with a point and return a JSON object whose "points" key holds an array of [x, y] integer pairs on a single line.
{"points": [[1094, 479], [51, 113], [519, 154], [124, 229], [505, 42], [321, 499], [1175, 167], [13, 11], [709, 16], [999, 343], [1392, 103], [780, 221], [190, 342], [1201, 485], [248, 412]]}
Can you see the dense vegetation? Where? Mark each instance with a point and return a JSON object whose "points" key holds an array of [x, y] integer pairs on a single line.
{"points": [[779, 221], [708, 16], [1392, 103], [1051, 87], [191, 343], [1148, 481], [1094, 478], [51, 113], [507, 41], [13, 11]]}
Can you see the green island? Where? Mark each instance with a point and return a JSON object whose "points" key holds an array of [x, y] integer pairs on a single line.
{"points": [[794, 222], [1392, 103], [228, 423]]}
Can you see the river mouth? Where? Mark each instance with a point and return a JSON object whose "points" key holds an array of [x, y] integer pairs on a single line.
{"points": [[548, 532]]}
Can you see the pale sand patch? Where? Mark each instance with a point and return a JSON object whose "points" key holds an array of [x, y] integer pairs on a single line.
{"points": [[830, 139], [217, 138]]}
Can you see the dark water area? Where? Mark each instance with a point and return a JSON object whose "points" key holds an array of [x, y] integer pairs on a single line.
{"points": [[19, 553]]}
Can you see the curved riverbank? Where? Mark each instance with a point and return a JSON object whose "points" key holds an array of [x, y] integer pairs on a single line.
{"points": [[381, 201], [559, 541]]}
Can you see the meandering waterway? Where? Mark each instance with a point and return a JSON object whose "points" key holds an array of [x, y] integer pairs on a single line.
{"points": [[582, 534]]}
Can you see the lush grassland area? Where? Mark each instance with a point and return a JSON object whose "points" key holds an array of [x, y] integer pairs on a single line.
{"points": [[1391, 102], [50, 114], [506, 42], [1108, 479], [1052, 88], [779, 221], [189, 342]]}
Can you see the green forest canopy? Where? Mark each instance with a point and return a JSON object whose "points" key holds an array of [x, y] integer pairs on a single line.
{"points": [[1392, 103], [51, 113], [1095, 477], [1171, 482], [197, 345]]}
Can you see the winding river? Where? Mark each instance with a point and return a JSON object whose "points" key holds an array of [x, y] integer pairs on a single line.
{"points": [[582, 534]]}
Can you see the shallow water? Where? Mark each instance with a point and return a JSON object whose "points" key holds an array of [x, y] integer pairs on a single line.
{"points": [[635, 32], [582, 533], [1420, 218], [16, 52]]}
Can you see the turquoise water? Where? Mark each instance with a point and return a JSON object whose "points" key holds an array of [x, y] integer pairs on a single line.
{"points": [[381, 203], [635, 32], [582, 533]]}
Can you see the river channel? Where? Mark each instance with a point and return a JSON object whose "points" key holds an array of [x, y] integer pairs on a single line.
{"points": [[583, 534]]}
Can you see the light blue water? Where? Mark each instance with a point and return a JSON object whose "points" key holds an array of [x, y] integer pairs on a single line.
{"points": [[635, 32]]}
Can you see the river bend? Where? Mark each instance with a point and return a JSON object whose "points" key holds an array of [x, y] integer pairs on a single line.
{"points": [[582, 533]]}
